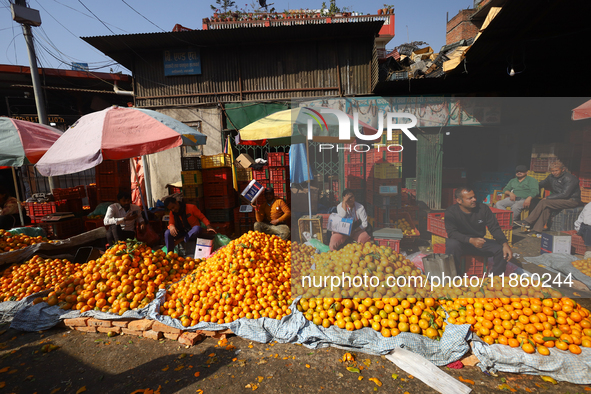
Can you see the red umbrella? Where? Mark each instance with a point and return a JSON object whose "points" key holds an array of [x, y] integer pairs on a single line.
{"points": [[583, 111]]}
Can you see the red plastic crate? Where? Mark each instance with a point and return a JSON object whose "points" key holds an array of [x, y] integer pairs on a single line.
{"points": [[261, 175], [107, 194], [278, 159], [439, 248], [355, 170], [354, 158], [278, 174], [64, 229], [504, 217], [226, 228], [69, 193], [174, 190], [75, 205], [198, 202], [394, 244], [353, 182], [223, 202], [474, 265], [585, 180], [542, 164], [217, 189], [586, 195], [281, 190], [577, 242], [91, 224], [216, 175], [45, 208], [436, 224]]}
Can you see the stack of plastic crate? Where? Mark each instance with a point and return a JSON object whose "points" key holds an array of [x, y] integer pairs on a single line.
{"points": [[279, 174], [112, 177], [193, 188], [220, 196]]}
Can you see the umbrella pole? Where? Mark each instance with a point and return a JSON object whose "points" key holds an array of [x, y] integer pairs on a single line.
{"points": [[309, 190], [18, 198]]}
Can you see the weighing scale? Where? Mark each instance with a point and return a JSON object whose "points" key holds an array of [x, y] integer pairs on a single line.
{"points": [[58, 217], [389, 196]]}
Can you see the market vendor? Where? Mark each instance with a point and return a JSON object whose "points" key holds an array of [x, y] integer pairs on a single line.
{"points": [[466, 223], [184, 223], [583, 227], [350, 209], [273, 216], [121, 219], [9, 216], [519, 192], [565, 194]]}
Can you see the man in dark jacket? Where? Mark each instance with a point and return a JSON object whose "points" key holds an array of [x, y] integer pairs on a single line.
{"points": [[466, 223], [565, 194]]}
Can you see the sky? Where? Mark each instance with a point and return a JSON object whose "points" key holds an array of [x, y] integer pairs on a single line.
{"points": [[58, 42]]}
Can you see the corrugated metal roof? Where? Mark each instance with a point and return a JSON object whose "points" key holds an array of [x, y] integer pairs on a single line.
{"points": [[121, 48]]}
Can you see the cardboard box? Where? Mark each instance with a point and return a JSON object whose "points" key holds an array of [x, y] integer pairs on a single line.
{"points": [[204, 242], [253, 191], [244, 160], [555, 242], [202, 252], [338, 224]]}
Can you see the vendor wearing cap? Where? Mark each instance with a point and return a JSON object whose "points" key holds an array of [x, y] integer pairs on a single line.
{"points": [[273, 216], [519, 192]]}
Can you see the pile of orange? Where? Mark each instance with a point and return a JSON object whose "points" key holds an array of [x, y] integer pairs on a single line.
{"points": [[389, 316], [534, 324], [583, 265], [356, 260], [10, 242], [301, 258], [126, 277], [250, 278], [35, 275]]}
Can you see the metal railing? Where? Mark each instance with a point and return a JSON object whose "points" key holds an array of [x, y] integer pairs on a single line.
{"points": [[211, 25]]}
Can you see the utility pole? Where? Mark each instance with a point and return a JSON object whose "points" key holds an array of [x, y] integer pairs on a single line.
{"points": [[26, 17]]}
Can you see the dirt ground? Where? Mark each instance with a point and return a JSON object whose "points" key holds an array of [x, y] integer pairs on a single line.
{"points": [[95, 363]]}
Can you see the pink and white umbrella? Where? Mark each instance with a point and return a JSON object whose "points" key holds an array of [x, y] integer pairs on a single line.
{"points": [[583, 111], [115, 133]]}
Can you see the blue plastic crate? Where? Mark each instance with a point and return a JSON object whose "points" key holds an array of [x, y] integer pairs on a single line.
{"points": [[565, 219]]}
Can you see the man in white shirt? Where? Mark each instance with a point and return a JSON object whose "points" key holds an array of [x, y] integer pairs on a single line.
{"points": [[583, 227], [351, 210], [121, 218]]}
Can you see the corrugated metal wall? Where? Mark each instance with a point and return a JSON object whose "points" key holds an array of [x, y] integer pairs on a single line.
{"points": [[247, 73], [429, 169]]}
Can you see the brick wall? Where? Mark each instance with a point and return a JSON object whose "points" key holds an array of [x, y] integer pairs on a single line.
{"points": [[460, 27]]}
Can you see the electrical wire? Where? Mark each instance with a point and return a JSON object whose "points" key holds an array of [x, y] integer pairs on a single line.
{"points": [[97, 18], [137, 12], [89, 16]]}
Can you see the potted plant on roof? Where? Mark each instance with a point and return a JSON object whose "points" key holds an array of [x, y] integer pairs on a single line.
{"points": [[388, 9]]}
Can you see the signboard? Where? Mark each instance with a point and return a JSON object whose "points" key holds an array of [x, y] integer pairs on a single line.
{"points": [[80, 66], [182, 62]]}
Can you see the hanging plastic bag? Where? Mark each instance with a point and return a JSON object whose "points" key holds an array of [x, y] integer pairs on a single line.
{"points": [[148, 236], [220, 240]]}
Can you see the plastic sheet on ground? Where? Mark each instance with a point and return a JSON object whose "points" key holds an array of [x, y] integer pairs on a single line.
{"points": [[28, 317], [295, 328], [561, 262], [560, 365], [8, 309]]}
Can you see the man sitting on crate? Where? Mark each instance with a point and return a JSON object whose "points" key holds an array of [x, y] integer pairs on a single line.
{"points": [[272, 216], [519, 192], [184, 223], [565, 194], [353, 210], [466, 223], [121, 218]]}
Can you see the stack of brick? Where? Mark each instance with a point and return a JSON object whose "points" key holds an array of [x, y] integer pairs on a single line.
{"points": [[141, 328]]}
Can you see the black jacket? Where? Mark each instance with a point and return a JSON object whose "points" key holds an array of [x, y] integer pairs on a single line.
{"points": [[565, 187], [462, 226]]}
